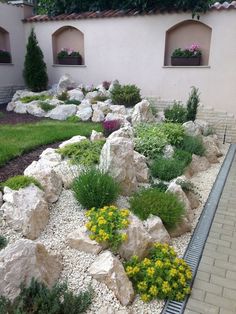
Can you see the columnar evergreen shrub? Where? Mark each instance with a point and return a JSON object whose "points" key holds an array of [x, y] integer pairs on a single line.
{"points": [[35, 70], [192, 104]]}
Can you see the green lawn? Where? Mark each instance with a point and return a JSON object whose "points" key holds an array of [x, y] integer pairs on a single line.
{"points": [[20, 138]]}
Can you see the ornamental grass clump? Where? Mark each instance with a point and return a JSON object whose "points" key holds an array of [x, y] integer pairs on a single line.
{"points": [[152, 201], [106, 224], [20, 182], [95, 188], [161, 275]]}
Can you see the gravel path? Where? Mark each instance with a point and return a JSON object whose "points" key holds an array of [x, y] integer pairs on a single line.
{"points": [[66, 215]]}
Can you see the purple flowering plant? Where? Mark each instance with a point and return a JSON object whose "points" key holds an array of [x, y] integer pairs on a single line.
{"points": [[110, 126]]}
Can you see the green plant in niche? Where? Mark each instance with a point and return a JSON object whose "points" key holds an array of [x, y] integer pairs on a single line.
{"points": [[35, 69], [94, 188], [20, 182], [192, 104], [127, 95], [154, 202], [86, 153], [176, 113], [46, 106]]}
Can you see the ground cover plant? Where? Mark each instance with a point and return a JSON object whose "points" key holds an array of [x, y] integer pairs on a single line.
{"points": [[46, 106], [20, 182], [95, 188], [105, 225], [72, 102], [161, 275], [23, 138], [86, 153], [39, 299], [193, 145], [73, 119], [27, 99], [127, 95], [152, 201]]}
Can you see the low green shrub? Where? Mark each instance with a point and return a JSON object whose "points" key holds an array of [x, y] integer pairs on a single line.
{"points": [[167, 169], [46, 106], [192, 104], [105, 225], [38, 298], [127, 95], [3, 244], [154, 202], [193, 145], [94, 188], [176, 113], [98, 98], [183, 156], [86, 153], [28, 99], [72, 102], [161, 275], [63, 96], [20, 182], [149, 140], [174, 132], [73, 119]]}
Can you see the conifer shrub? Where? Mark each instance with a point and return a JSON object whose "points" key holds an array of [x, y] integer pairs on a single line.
{"points": [[192, 104], [154, 202], [20, 182], [127, 95], [95, 188], [39, 299], [35, 70]]}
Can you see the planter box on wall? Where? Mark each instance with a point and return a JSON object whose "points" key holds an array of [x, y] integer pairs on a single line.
{"points": [[70, 60], [5, 59], [184, 61]]}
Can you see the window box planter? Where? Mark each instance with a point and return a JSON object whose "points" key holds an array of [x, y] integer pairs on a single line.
{"points": [[69, 60], [5, 59], [186, 61]]}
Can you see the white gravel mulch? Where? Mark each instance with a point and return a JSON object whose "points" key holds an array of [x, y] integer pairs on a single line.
{"points": [[66, 215]]}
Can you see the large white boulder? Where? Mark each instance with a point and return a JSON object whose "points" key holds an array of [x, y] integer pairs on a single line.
{"points": [[102, 106], [141, 168], [22, 261], [65, 82], [204, 126], [98, 116], [192, 129], [119, 109], [96, 136], [157, 230], [138, 242], [117, 157], [142, 112], [51, 155], [177, 190], [26, 210], [20, 107], [76, 94], [181, 228], [67, 172], [198, 164], [79, 240], [62, 112], [34, 109], [75, 139], [109, 270], [11, 106], [126, 132], [212, 151], [43, 171], [84, 111]]}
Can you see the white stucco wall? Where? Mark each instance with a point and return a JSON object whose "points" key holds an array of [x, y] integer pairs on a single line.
{"points": [[11, 20]]}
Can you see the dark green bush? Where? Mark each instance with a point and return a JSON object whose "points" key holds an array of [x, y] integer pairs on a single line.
{"points": [[94, 188], [127, 95], [167, 169], [192, 104], [38, 299], [183, 156], [193, 145], [177, 113], [174, 132], [86, 153], [35, 69], [154, 202], [3, 244], [46, 106], [72, 102], [18, 182]]}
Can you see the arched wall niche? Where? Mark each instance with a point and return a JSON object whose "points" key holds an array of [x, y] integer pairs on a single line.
{"points": [[68, 37], [4, 40], [186, 33]]}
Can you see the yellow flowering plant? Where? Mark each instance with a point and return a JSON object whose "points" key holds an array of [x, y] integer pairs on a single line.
{"points": [[161, 275], [107, 224]]}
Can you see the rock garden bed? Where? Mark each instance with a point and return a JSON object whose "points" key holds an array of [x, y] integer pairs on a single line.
{"points": [[94, 242]]}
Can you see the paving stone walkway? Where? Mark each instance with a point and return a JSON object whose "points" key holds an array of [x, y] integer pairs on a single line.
{"points": [[214, 288]]}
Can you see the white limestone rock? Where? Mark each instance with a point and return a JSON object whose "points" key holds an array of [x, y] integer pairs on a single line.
{"points": [[67, 172], [157, 230], [11, 106], [73, 140], [102, 106], [84, 111], [26, 210], [20, 107], [191, 128], [91, 95], [62, 112], [181, 228], [22, 261], [212, 151], [98, 116], [76, 94], [34, 109], [138, 242], [142, 112], [126, 132], [168, 151], [141, 168], [109, 270], [79, 240], [117, 116], [204, 126], [119, 109], [198, 164], [117, 157], [64, 83], [177, 190], [96, 136], [51, 155]]}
